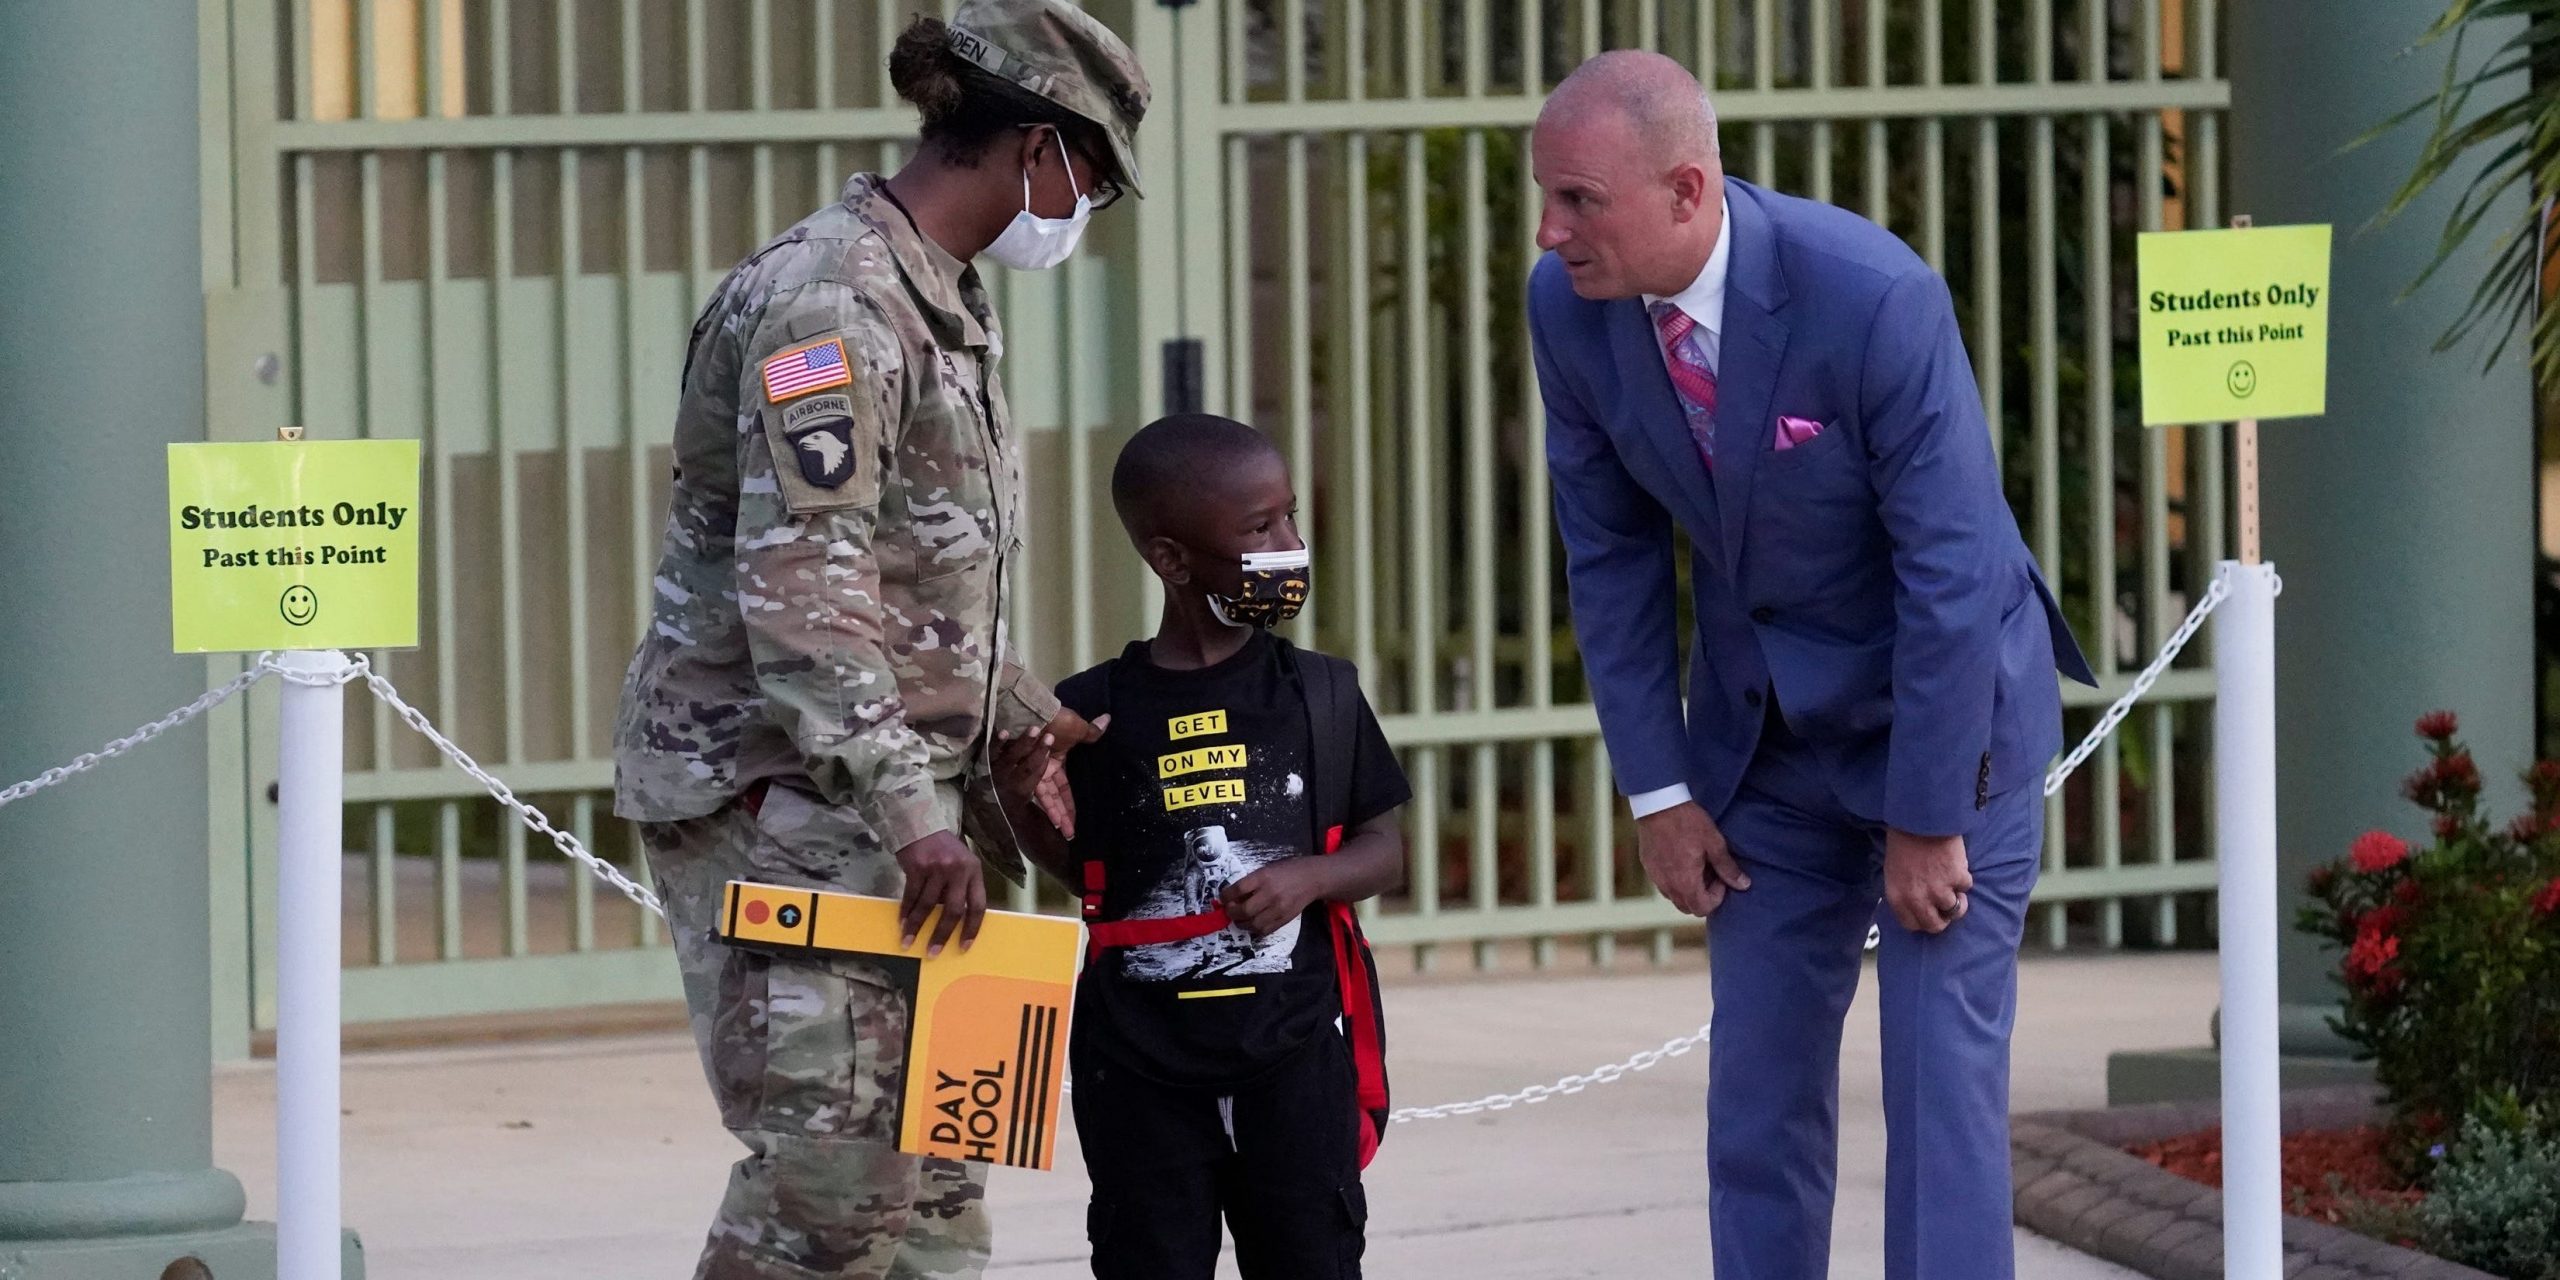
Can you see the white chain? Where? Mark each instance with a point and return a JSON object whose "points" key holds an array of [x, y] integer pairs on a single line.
{"points": [[562, 840], [358, 668], [1537, 1093], [91, 760], [2115, 715]]}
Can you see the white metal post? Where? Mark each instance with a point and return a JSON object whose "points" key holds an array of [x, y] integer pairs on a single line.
{"points": [[2244, 752], [310, 775]]}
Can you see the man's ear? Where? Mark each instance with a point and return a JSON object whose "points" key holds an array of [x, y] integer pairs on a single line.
{"points": [[1164, 555], [1691, 187]]}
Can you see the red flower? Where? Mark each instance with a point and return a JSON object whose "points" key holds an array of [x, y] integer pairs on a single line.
{"points": [[2525, 829], [2446, 826], [2375, 852], [2385, 922], [2322, 878], [2459, 771], [2547, 902], [2545, 773], [2407, 894], [2439, 725], [2372, 953]]}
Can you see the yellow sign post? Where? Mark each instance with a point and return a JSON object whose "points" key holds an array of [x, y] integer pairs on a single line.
{"points": [[293, 545], [2235, 324]]}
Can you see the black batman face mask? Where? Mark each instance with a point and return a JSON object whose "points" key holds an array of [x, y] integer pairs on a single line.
{"points": [[1274, 588]]}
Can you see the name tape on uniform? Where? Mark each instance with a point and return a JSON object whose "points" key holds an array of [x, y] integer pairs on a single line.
{"points": [[2235, 324], [305, 544]]}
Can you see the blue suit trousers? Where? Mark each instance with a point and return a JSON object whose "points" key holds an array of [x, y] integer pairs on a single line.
{"points": [[1786, 957]]}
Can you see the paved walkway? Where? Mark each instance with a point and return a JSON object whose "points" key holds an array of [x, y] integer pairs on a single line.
{"points": [[602, 1158]]}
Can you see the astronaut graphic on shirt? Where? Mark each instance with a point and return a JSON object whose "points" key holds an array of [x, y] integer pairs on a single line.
{"points": [[1195, 884]]}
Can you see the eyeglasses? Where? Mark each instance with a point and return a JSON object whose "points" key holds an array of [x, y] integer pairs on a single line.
{"points": [[1105, 192]]}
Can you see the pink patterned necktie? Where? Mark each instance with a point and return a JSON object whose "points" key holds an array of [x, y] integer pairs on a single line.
{"points": [[1690, 375]]}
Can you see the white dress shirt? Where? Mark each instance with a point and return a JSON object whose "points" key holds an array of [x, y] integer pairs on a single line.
{"points": [[1703, 300]]}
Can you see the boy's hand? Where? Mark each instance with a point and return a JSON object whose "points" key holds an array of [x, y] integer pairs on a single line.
{"points": [[1266, 901]]}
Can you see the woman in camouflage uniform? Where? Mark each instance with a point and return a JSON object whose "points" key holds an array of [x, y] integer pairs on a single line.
{"points": [[827, 663]]}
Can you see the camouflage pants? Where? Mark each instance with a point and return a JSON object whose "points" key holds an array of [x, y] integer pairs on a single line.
{"points": [[806, 1057]]}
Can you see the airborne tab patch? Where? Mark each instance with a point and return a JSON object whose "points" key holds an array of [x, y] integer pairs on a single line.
{"points": [[801, 370], [820, 433]]}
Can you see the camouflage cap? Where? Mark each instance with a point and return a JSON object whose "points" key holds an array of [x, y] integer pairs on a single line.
{"points": [[1062, 53]]}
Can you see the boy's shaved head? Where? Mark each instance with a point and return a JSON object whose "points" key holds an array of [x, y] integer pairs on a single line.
{"points": [[1175, 465]]}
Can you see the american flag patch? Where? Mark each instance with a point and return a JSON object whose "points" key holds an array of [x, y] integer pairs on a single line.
{"points": [[805, 369]]}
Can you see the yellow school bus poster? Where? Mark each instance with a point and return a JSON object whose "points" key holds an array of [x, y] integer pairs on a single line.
{"points": [[986, 1050]]}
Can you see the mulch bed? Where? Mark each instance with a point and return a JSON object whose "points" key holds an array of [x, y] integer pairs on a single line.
{"points": [[2325, 1170]]}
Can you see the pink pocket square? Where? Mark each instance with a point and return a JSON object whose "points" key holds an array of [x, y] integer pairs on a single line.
{"points": [[1793, 432]]}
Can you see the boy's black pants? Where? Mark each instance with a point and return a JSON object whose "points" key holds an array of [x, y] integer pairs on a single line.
{"points": [[1165, 1169]]}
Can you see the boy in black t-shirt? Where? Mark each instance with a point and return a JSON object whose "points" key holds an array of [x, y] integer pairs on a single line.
{"points": [[1226, 1041]]}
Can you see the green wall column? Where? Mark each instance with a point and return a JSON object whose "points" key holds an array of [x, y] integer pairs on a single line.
{"points": [[105, 1087], [2402, 522]]}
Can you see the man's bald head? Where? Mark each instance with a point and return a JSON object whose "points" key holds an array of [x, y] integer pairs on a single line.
{"points": [[1632, 188], [1662, 104]]}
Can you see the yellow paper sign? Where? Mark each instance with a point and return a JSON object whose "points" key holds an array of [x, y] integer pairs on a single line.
{"points": [[2235, 324], [986, 1050], [306, 544]]}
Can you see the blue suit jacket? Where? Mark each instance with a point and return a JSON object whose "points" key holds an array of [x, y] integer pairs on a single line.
{"points": [[1873, 577]]}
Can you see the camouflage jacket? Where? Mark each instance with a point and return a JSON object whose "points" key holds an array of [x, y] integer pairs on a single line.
{"points": [[846, 514]]}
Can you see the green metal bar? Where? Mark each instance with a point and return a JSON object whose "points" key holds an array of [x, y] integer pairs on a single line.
{"points": [[1353, 368], [1752, 105], [511, 862], [303, 63], [644, 924], [1933, 139], [1600, 842], [573, 454], [1818, 37], [602, 129], [2162, 720], [514, 985], [1533, 48], [1988, 364], [1538, 632], [1421, 657], [369, 294], [1296, 290], [639, 392], [1476, 242], [760, 78], [386, 888], [1764, 80], [1414, 27], [1879, 196], [448, 880], [1240, 345], [2043, 325], [582, 886], [2098, 317]]}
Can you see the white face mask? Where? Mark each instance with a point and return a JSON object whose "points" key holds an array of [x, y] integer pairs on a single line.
{"points": [[1032, 243]]}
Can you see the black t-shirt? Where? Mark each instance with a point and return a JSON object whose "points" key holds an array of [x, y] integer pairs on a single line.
{"points": [[1201, 780]]}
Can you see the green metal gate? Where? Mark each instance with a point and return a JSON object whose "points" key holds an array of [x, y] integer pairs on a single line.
{"points": [[487, 223]]}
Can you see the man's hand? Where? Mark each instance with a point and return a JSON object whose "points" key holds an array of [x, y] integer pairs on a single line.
{"points": [[1031, 765], [1925, 880], [1280, 892], [1686, 857], [941, 872]]}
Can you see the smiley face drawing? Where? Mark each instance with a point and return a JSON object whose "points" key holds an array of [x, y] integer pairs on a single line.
{"points": [[300, 605], [2242, 381]]}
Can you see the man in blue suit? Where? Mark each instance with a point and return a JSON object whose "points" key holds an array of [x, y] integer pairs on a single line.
{"points": [[1871, 698]]}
